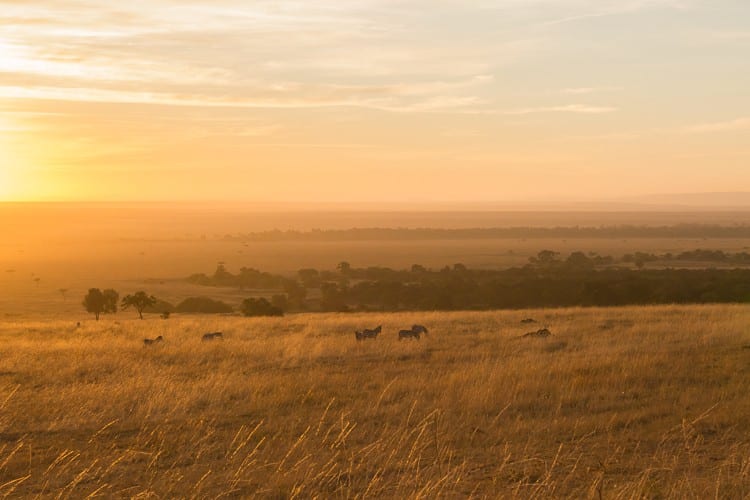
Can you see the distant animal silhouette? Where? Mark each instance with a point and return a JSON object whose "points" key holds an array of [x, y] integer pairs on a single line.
{"points": [[367, 333], [158, 339], [371, 334], [528, 320], [542, 333], [409, 334], [419, 328], [212, 336]]}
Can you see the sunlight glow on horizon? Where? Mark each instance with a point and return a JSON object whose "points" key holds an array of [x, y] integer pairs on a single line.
{"points": [[373, 100]]}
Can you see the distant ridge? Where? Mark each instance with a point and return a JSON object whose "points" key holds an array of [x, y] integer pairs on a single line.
{"points": [[733, 199]]}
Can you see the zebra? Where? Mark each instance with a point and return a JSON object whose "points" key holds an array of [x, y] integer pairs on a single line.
{"points": [[541, 333], [409, 334], [419, 329], [147, 342], [212, 336], [371, 334]]}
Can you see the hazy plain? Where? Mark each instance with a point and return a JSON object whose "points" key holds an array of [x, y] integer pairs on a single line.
{"points": [[49, 247]]}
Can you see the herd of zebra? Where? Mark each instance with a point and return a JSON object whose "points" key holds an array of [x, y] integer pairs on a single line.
{"points": [[413, 333], [206, 337]]}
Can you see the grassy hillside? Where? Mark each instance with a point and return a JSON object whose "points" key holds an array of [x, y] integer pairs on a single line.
{"points": [[617, 403]]}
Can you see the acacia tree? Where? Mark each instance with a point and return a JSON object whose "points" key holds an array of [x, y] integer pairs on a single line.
{"points": [[98, 302], [139, 301]]}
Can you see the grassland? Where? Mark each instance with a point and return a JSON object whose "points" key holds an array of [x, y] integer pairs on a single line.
{"points": [[617, 403]]}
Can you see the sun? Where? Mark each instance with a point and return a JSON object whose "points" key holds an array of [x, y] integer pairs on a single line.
{"points": [[6, 187], [10, 168]]}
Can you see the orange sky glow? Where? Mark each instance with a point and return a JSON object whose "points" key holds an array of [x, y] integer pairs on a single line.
{"points": [[373, 100]]}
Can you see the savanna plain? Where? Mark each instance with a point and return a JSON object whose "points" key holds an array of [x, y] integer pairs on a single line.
{"points": [[623, 402], [616, 403]]}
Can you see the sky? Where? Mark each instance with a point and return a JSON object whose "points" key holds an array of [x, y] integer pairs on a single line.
{"points": [[373, 100]]}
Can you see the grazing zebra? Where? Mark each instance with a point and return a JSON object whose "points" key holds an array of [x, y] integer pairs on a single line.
{"points": [[419, 329], [153, 341], [371, 334], [408, 334], [212, 336], [542, 333]]}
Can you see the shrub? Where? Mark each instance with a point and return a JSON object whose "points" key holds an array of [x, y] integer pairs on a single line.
{"points": [[161, 306], [203, 305], [259, 307]]}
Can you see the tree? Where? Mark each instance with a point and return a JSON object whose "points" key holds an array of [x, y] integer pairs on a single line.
{"points": [[140, 301], [545, 258], [63, 292], [295, 294], [221, 275], [344, 268], [579, 260], [310, 278], [98, 302]]}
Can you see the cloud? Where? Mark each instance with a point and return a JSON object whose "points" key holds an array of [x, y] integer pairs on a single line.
{"points": [[584, 10], [589, 90], [568, 108], [365, 53], [727, 126], [383, 99]]}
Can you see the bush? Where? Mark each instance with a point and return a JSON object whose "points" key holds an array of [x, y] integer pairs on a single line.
{"points": [[203, 305], [259, 307], [280, 301], [160, 307]]}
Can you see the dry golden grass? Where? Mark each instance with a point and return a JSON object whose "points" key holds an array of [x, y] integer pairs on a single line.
{"points": [[618, 403]]}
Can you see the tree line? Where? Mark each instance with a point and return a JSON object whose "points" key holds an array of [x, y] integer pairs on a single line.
{"points": [[548, 280], [98, 302]]}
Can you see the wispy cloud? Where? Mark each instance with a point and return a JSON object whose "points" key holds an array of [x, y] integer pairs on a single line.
{"points": [[567, 108], [589, 90], [404, 97], [584, 10], [726, 126]]}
